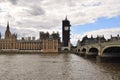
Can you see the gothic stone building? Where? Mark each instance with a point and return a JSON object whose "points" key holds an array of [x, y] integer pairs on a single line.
{"points": [[66, 34], [91, 40], [50, 43], [46, 43]]}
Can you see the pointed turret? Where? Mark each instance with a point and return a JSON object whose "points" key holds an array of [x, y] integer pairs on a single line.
{"points": [[7, 32], [0, 35], [8, 25], [66, 18], [91, 36]]}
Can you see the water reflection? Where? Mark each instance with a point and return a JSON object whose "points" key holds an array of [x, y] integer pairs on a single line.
{"points": [[55, 67]]}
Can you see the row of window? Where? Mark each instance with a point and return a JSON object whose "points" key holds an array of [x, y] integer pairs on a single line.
{"points": [[20, 46], [50, 45]]}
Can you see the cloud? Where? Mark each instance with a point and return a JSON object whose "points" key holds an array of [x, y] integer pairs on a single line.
{"points": [[51, 12], [2, 1], [75, 38], [105, 32], [1, 10], [102, 32], [13, 1], [31, 16], [36, 11]]}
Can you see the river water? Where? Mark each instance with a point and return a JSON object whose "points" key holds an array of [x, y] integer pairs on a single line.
{"points": [[55, 67]]}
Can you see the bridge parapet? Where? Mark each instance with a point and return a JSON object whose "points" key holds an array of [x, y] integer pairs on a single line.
{"points": [[106, 49], [99, 46]]}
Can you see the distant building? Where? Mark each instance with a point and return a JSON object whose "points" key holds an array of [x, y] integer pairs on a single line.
{"points": [[114, 38], [91, 40], [46, 43]]}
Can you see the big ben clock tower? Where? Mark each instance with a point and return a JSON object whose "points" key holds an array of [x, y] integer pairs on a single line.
{"points": [[66, 34]]}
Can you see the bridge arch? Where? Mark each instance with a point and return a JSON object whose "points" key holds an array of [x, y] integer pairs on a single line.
{"points": [[111, 51], [93, 51], [84, 50], [66, 49], [78, 50]]}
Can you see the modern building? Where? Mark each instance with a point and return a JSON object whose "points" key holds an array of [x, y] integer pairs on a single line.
{"points": [[46, 43], [66, 34]]}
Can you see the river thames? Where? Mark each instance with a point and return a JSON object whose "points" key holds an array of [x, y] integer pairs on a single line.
{"points": [[55, 67]]}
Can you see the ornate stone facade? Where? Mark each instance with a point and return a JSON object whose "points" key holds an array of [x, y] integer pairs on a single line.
{"points": [[88, 41], [46, 43], [50, 43]]}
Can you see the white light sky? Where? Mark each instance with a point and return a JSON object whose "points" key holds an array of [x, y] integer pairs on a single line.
{"points": [[28, 17]]}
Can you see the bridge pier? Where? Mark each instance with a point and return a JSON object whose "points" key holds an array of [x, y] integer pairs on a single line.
{"points": [[98, 59], [78, 53], [86, 56], [89, 56], [82, 54]]}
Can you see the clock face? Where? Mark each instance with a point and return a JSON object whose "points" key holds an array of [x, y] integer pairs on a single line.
{"points": [[66, 28]]}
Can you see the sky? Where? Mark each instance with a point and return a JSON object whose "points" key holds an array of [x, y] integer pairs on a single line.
{"points": [[87, 17]]}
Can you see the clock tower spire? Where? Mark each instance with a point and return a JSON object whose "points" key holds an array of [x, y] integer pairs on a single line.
{"points": [[66, 34]]}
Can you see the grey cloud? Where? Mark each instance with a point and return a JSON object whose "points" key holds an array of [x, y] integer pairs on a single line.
{"points": [[71, 3], [1, 10], [91, 4], [2, 1], [35, 11], [13, 1]]}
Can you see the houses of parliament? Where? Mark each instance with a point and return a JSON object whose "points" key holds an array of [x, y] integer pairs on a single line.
{"points": [[46, 43]]}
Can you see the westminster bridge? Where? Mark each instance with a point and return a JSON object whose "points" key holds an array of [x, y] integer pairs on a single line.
{"points": [[100, 50]]}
